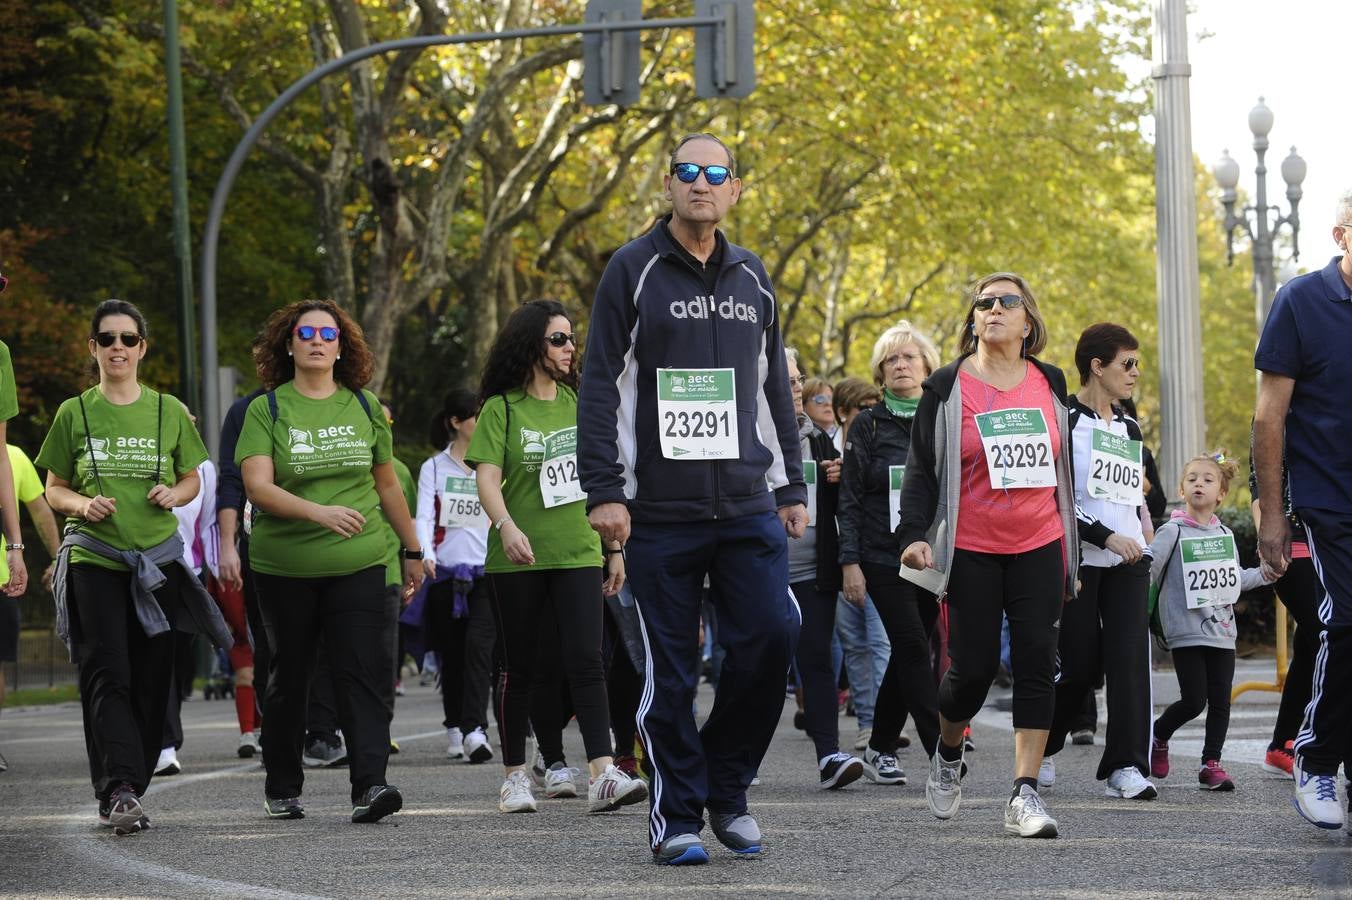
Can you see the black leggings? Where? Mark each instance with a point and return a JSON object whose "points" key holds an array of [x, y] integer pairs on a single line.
{"points": [[908, 615], [125, 676], [1300, 592], [820, 706], [351, 614], [1205, 676], [1029, 588], [572, 597]]}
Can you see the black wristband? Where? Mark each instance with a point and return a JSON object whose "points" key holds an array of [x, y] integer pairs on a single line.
{"points": [[605, 552], [413, 554]]}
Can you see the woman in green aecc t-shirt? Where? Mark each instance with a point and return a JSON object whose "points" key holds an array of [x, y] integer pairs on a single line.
{"points": [[544, 560], [119, 457], [315, 454]]}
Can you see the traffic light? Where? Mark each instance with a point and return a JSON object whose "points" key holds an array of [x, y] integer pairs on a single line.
{"points": [[725, 61], [611, 58]]}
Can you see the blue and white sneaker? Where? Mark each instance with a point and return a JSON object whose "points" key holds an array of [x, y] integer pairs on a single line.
{"points": [[1316, 798], [736, 831], [681, 850]]}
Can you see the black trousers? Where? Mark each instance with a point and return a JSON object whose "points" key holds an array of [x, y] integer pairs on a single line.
{"points": [[349, 612], [125, 677], [1299, 591], [1029, 588], [1325, 737], [1205, 676], [624, 688], [465, 646], [908, 687], [572, 598], [1106, 626], [820, 706], [185, 667]]}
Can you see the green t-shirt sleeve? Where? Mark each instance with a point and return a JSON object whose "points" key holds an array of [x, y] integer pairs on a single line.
{"points": [[57, 454], [489, 444], [9, 394], [189, 451], [406, 485], [255, 438], [384, 448], [27, 485]]}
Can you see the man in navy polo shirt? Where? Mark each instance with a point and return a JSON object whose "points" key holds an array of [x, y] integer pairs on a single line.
{"points": [[1306, 362], [686, 429]]}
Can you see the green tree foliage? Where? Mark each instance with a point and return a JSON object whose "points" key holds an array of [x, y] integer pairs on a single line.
{"points": [[893, 151]]}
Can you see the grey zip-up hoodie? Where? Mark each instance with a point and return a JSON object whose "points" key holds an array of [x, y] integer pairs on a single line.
{"points": [[1209, 626], [931, 488]]}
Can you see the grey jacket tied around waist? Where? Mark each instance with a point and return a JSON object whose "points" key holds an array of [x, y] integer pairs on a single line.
{"points": [[204, 616]]}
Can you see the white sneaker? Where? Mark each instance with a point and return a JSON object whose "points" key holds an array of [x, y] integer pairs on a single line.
{"points": [[516, 796], [1026, 816], [1046, 774], [612, 789], [168, 762], [882, 768], [559, 783], [1316, 798], [1129, 784], [943, 788], [248, 746], [455, 744], [477, 748], [862, 738]]}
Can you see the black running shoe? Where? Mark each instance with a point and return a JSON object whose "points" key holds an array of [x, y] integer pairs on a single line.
{"points": [[840, 770], [377, 803], [283, 808]]}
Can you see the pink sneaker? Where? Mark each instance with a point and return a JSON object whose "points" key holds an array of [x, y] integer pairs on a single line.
{"points": [[1211, 777], [1159, 759]]}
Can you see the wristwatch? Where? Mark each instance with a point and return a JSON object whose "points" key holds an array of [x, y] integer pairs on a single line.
{"points": [[13, 546], [412, 554]]}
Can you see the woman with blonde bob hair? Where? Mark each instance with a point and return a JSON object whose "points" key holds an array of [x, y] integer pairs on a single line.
{"points": [[876, 450]]}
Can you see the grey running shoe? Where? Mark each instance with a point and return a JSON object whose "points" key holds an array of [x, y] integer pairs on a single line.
{"points": [[321, 752], [943, 788], [283, 808], [736, 831], [1046, 773], [124, 810], [681, 850], [882, 768], [1026, 816], [379, 801]]}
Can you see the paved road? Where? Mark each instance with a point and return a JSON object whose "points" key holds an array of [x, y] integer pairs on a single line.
{"points": [[210, 839]]}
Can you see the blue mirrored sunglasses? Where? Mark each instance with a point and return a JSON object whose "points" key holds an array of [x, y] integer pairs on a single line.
{"points": [[308, 332], [688, 172]]}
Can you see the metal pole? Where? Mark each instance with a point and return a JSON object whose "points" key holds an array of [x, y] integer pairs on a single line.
{"points": [[1264, 281], [178, 169], [1182, 414], [211, 407]]}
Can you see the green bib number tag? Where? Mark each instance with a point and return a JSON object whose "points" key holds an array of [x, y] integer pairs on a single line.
{"points": [[1115, 469], [1210, 570], [559, 483], [697, 413], [1018, 448], [460, 506], [895, 474]]}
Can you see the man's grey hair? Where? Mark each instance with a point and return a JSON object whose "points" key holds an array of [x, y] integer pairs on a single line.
{"points": [[702, 136], [1343, 211]]}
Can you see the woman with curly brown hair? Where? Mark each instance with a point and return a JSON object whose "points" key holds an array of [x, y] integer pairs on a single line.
{"points": [[315, 454]]}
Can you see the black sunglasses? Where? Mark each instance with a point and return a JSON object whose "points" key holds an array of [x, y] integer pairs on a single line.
{"points": [[688, 172], [108, 338], [1008, 301], [559, 338], [307, 333]]}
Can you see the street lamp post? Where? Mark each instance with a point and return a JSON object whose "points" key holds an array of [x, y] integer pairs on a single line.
{"points": [[1254, 220]]}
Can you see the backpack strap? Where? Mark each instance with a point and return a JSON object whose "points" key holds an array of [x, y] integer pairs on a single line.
{"points": [[365, 404], [272, 404]]}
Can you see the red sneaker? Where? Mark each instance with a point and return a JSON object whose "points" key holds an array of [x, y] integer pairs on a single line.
{"points": [[1211, 777], [1159, 759], [1279, 761]]}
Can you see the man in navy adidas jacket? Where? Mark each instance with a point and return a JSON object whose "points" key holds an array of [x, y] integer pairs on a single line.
{"points": [[688, 451]]}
